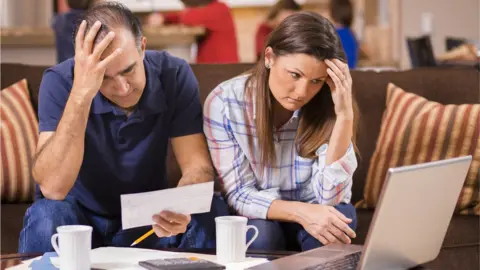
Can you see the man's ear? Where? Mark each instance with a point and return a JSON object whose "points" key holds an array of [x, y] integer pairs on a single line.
{"points": [[269, 57], [143, 46]]}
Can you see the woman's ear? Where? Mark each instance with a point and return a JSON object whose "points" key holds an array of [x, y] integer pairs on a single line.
{"points": [[269, 57]]}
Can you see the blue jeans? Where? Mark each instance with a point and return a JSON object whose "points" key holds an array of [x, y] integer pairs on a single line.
{"points": [[274, 235], [44, 216]]}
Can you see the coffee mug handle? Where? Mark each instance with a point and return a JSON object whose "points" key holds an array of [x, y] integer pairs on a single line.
{"points": [[54, 243], [254, 237]]}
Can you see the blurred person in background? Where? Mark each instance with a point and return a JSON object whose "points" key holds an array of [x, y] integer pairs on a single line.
{"points": [[341, 12], [281, 10], [219, 45], [64, 26]]}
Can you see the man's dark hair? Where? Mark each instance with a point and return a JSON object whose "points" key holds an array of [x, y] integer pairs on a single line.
{"points": [[111, 15], [342, 12], [80, 4]]}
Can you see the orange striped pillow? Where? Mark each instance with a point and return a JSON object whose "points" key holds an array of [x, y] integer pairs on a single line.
{"points": [[18, 138], [415, 130]]}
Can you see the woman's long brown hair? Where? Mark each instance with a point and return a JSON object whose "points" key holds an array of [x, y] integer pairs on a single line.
{"points": [[301, 33]]}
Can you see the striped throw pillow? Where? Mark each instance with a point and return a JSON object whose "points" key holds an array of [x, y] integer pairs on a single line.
{"points": [[18, 139], [415, 130]]}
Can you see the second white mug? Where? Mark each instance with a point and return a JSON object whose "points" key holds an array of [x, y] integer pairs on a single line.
{"points": [[74, 245], [231, 232]]}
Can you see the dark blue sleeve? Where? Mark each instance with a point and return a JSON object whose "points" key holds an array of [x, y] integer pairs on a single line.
{"points": [[187, 117], [53, 96]]}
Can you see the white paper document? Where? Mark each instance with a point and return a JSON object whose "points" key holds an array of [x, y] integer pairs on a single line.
{"points": [[127, 258], [138, 208]]}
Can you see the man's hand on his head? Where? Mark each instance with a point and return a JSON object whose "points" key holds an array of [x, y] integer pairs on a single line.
{"points": [[89, 68]]}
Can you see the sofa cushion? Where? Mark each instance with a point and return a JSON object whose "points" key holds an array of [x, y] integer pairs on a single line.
{"points": [[18, 138], [443, 85], [415, 130]]}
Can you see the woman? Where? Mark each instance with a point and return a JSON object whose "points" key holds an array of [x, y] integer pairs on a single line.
{"points": [[281, 10], [341, 12], [282, 138], [219, 45]]}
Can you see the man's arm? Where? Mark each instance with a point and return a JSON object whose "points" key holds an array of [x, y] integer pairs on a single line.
{"points": [[192, 155], [61, 142], [60, 154], [186, 132]]}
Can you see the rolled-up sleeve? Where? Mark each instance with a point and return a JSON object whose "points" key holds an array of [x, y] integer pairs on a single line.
{"points": [[332, 183], [231, 163], [187, 118]]}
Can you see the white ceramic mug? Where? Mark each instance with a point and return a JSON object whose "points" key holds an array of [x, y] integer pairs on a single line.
{"points": [[74, 245], [232, 237]]}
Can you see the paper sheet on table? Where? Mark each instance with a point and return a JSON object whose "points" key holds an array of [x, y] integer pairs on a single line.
{"points": [[138, 208], [128, 258]]}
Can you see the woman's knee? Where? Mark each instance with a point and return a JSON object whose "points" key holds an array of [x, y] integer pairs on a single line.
{"points": [[270, 235], [349, 211]]}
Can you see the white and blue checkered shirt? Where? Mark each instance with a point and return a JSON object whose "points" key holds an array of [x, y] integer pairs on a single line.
{"points": [[292, 178]]}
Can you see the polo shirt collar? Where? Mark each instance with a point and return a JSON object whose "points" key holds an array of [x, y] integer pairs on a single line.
{"points": [[152, 101]]}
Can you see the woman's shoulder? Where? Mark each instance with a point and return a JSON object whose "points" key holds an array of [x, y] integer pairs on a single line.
{"points": [[233, 88]]}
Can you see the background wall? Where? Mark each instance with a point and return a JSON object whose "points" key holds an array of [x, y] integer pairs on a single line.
{"points": [[26, 13], [459, 18]]}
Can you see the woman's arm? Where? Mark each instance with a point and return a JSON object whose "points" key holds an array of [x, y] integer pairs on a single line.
{"points": [[232, 165]]}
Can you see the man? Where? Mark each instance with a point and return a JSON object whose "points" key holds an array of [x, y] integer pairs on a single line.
{"points": [[95, 145]]}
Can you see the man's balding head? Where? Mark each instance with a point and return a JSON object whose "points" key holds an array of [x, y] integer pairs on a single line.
{"points": [[124, 77], [112, 15]]}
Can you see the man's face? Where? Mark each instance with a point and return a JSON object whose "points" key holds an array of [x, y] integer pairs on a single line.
{"points": [[124, 79]]}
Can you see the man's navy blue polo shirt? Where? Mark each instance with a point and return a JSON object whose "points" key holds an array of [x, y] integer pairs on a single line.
{"points": [[126, 155]]}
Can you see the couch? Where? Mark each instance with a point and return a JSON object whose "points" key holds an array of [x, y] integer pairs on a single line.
{"points": [[448, 86]]}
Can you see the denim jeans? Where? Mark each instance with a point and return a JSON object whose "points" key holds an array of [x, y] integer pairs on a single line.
{"points": [[44, 216], [274, 235]]}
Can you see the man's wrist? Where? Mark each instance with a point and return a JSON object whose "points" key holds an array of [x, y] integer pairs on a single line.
{"points": [[196, 176], [82, 96]]}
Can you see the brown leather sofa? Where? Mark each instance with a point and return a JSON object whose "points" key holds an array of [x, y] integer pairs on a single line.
{"points": [[448, 86]]}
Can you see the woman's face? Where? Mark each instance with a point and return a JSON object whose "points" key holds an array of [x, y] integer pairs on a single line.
{"points": [[295, 78]]}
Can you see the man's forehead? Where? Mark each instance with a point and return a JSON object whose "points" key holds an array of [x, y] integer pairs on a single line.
{"points": [[123, 40]]}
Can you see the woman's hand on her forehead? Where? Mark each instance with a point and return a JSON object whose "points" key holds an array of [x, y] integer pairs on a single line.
{"points": [[340, 83]]}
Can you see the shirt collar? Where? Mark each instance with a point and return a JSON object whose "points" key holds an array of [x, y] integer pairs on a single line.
{"points": [[152, 100]]}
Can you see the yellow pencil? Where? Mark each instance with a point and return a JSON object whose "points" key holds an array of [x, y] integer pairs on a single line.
{"points": [[142, 237]]}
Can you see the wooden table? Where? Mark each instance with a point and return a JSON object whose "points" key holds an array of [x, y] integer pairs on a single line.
{"points": [[448, 254], [10, 260]]}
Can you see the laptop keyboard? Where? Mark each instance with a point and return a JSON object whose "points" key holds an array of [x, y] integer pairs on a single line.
{"points": [[348, 262]]}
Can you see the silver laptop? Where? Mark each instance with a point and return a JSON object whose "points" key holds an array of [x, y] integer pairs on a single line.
{"points": [[408, 227]]}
